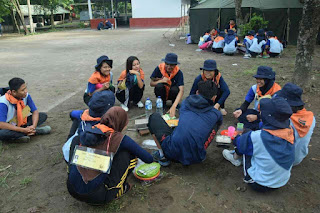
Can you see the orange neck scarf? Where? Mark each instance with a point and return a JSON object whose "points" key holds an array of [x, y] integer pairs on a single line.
{"points": [[219, 38], [302, 121], [86, 116], [286, 134], [216, 79], [20, 105], [232, 26], [165, 74], [104, 128], [275, 88], [97, 78]]}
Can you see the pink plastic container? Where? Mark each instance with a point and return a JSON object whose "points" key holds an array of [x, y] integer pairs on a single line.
{"points": [[231, 130]]}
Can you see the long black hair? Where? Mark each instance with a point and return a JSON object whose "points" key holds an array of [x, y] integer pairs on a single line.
{"points": [[130, 61]]}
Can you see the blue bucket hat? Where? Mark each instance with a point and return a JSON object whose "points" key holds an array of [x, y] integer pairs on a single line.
{"points": [[171, 58], [276, 112], [265, 72], [291, 93], [270, 34], [101, 102], [251, 32], [209, 65], [103, 58]]}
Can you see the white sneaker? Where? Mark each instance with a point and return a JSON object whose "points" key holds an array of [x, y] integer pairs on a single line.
{"points": [[223, 111], [140, 104], [124, 107], [247, 56], [228, 155]]}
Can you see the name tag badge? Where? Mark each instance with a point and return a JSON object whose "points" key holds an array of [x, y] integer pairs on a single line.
{"points": [[92, 159]]}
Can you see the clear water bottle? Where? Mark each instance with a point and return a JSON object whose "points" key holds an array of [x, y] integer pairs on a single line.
{"points": [[148, 108], [159, 105]]}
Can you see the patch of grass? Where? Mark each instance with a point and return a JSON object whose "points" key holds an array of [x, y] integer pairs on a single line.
{"points": [[140, 192], [57, 158], [25, 181], [114, 206], [251, 71], [3, 180]]}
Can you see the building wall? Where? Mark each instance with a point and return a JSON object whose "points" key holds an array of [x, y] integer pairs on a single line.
{"points": [[156, 8], [158, 13]]}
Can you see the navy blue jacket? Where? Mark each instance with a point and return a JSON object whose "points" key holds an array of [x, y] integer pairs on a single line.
{"points": [[197, 119]]}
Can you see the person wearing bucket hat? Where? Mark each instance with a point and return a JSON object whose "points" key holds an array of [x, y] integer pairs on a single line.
{"points": [[210, 72], [167, 80], [265, 88], [93, 186], [131, 84], [268, 154], [273, 46], [257, 46], [198, 123], [302, 121], [230, 43], [247, 42], [100, 103], [218, 43], [101, 79]]}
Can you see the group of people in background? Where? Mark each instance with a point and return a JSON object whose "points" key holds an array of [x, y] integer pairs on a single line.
{"points": [[264, 43], [277, 130]]}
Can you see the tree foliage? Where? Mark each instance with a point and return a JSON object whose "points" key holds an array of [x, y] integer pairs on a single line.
{"points": [[5, 6], [256, 22]]}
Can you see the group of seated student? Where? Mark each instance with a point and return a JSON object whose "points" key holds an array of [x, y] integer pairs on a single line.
{"points": [[277, 132], [276, 136]]}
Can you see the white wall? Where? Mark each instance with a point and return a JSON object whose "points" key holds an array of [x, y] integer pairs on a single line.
{"points": [[156, 8]]}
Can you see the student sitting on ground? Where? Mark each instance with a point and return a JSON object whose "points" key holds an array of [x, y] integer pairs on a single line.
{"points": [[214, 33], [101, 79], [265, 88], [247, 42], [211, 73], [302, 121], [231, 26], [99, 104], [16, 123], [268, 154], [108, 25], [198, 123], [167, 80], [93, 186], [257, 46], [230, 43], [218, 43], [205, 38], [131, 84], [273, 46]]}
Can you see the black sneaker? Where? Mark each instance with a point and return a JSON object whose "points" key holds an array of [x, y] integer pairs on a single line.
{"points": [[44, 130], [23, 139]]}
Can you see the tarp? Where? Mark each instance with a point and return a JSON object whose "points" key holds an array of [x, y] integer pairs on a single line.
{"points": [[37, 10], [205, 16]]}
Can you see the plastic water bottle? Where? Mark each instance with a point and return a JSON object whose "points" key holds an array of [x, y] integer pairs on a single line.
{"points": [[159, 106], [148, 108]]}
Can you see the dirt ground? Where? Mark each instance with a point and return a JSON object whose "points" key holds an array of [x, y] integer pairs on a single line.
{"points": [[56, 67]]}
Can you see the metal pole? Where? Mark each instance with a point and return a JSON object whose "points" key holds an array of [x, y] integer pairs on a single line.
{"points": [[90, 9], [104, 10]]}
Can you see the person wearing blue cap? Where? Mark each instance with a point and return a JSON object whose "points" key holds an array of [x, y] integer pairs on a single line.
{"points": [[92, 185], [100, 103], [198, 123], [268, 154], [101, 79], [230, 43], [218, 43], [167, 80], [247, 42], [266, 87], [273, 46], [210, 72], [302, 121], [257, 46]]}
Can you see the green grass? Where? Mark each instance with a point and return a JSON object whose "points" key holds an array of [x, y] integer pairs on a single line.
{"points": [[251, 71], [25, 181], [3, 180]]}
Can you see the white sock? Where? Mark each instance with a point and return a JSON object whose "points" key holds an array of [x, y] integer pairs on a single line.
{"points": [[161, 153]]}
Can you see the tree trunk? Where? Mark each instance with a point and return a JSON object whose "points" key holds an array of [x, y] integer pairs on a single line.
{"points": [[16, 5], [237, 6], [30, 17], [16, 27], [309, 27], [52, 19]]}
